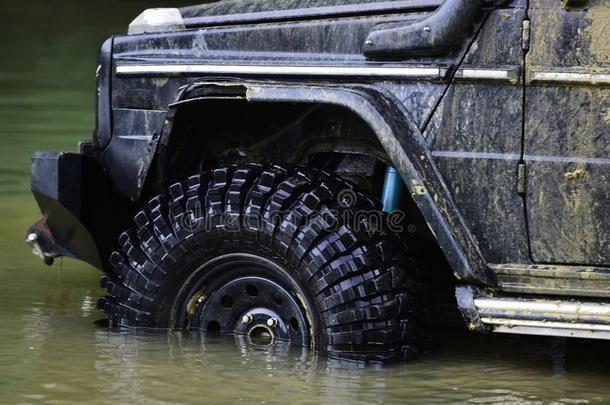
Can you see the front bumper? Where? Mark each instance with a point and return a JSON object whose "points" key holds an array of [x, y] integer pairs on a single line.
{"points": [[75, 200]]}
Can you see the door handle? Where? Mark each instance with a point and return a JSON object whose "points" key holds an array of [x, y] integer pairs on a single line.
{"points": [[434, 35]]}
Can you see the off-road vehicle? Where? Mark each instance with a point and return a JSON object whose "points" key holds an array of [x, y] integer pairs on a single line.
{"points": [[310, 171]]}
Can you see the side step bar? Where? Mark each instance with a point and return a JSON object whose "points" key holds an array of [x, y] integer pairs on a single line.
{"points": [[540, 316], [545, 317]]}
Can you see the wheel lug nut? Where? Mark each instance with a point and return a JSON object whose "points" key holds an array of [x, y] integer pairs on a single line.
{"points": [[246, 319], [271, 322]]}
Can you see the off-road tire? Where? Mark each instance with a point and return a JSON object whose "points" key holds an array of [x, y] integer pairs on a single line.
{"points": [[360, 281]]}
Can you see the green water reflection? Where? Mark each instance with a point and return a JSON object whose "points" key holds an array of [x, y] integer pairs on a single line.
{"points": [[52, 352]]}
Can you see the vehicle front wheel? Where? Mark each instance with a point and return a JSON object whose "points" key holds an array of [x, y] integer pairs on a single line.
{"points": [[273, 253]]}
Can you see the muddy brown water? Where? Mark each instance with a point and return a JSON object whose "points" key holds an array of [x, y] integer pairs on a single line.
{"points": [[52, 352]]}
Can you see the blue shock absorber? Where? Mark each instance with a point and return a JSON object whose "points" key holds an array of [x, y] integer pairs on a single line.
{"points": [[392, 190]]}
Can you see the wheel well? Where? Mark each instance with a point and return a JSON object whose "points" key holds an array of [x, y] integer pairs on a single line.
{"points": [[207, 134]]}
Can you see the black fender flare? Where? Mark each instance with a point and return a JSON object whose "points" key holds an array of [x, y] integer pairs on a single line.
{"points": [[398, 135]]}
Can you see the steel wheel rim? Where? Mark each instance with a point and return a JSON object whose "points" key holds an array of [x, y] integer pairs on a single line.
{"points": [[246, 295]]}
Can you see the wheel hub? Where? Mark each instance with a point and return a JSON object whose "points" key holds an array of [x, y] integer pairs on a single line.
{"points": [[257, 307]]}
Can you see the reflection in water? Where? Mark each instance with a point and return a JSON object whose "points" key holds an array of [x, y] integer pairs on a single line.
{"points": [[88, 306], [174, 367]]}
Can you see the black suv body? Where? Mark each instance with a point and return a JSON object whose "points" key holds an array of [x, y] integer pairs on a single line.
{"points": [[495, 114]]}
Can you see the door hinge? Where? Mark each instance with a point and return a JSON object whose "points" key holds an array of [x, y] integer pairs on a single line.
{"points": [[525, 35], [521, 178]]}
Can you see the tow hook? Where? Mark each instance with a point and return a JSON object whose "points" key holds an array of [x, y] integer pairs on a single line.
{"points": [[32, 240]]}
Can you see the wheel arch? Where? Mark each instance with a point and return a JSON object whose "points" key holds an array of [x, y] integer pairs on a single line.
{"points": [[400, 141]]}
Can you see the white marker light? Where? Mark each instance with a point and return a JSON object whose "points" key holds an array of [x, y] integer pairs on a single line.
{"points": [[157, 20]]}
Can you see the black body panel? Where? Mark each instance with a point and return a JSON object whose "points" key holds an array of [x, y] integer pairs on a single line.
{"points": [[567, 132], [444, 96]]}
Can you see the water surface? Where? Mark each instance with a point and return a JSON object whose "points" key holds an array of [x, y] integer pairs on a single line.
{"points": [[52, 352]]}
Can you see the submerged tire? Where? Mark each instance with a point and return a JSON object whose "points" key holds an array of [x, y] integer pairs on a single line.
{"points": [[320, 270]]}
